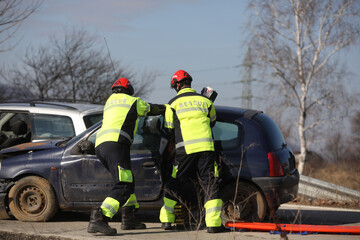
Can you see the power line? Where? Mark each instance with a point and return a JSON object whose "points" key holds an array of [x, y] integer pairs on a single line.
{"points": [[198, 84], [217, 69], [206, 70]]}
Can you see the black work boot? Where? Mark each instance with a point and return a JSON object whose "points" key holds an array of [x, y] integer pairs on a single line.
{"points": [[99, 223], [166, 226], [129, 220]]}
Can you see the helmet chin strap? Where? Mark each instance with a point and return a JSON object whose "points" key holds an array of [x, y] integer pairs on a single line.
{"points": [[182, 85], [178, 87]]}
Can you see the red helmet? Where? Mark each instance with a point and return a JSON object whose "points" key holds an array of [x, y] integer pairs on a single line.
{"points": [[124, 84], [178, 77]]}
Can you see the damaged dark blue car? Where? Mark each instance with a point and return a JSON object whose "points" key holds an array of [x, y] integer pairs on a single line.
{"points": [[257, 170]]}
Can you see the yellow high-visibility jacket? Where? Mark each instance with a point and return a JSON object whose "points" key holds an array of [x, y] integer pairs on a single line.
{"points": [[190, 115], [120, 118]]}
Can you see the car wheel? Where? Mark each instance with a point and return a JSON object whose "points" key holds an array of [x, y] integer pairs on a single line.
{"points": [[32, 199], [244, 204]]}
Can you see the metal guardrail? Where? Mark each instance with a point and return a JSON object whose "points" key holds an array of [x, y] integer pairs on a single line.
{"points": [[314, 188]]}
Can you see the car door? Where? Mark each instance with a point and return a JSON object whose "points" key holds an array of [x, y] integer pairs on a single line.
{"points": [[85, 179]]}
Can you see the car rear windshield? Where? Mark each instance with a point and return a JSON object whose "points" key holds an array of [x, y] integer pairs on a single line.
{"points": [[272, 131]]}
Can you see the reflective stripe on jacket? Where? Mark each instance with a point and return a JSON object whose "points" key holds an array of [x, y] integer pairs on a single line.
{"points": [[120, 118], [190, 114]]}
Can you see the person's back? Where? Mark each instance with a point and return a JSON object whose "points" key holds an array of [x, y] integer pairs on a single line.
{"points": [[120, 117], [192, 114]]}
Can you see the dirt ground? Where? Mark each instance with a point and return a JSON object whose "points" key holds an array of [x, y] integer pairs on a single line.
{"points": [[22, 236]]}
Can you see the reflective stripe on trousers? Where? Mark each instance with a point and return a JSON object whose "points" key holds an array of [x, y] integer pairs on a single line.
{"points": [[125, 175], [132, 201], [174, 171], [167, 211], [109, 207], [213, 213]]}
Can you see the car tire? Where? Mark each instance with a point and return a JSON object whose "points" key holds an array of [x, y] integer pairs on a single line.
{"points": [[249, 205], [4, 215], [32, 199]]}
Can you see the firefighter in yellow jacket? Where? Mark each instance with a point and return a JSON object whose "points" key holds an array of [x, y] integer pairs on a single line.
{"points": [[190, 117], [112, 147]]}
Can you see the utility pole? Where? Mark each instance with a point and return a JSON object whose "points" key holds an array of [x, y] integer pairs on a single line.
{"points": [[246, 96]]}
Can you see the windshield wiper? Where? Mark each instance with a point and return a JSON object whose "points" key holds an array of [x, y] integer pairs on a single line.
{"points": [[61, 143]]}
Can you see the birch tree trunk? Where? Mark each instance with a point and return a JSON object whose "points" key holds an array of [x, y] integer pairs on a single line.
{"points": [[303, 148]]}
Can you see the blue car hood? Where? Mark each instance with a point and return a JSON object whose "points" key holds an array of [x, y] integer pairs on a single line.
{"points": [[31, 146]]}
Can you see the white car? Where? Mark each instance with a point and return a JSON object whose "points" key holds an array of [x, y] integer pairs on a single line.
{"points": [[36, 121]]}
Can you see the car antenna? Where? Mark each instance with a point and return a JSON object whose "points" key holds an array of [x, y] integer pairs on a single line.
{"points": [[112, 63]]}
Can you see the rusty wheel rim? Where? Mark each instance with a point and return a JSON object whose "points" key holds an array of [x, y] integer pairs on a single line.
{"points": [[242, 208], [32, 200]]}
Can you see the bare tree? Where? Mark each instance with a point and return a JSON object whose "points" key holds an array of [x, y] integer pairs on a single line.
{"points": [[336, 147], [355, 127], [3, 93], [74, 68], [86, 71], [39, 73], [354, 145], [295, 42], [12, 14]]}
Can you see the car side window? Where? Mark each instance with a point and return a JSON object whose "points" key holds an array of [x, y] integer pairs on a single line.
{"points": [[92, 137], [226, 134], [91, 119], [9, 118], [47, 126], [14, 128], [148, 134]]}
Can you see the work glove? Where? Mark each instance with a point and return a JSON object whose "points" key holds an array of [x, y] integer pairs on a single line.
{"points": [[156, 109]]}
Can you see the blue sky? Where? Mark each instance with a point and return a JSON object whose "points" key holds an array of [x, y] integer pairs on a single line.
{"points": [[204, 37]]}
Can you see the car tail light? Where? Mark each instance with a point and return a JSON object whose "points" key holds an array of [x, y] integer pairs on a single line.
{"points": [[275, 168]]}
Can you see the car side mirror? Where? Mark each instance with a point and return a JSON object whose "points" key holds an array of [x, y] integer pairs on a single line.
{"points": [[87, 147], [83, 147]]}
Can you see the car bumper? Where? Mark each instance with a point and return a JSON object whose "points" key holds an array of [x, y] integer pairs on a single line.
{"points": [[3, 212], [279, 190], [4, 185]]}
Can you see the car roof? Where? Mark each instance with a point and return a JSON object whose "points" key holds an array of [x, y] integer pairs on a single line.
{"points": [[230, 109], [241, 112], [53, 107]]}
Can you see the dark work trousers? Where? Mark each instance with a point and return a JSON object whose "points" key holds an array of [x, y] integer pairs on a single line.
{"points": [[196, 166], [112, 155]]}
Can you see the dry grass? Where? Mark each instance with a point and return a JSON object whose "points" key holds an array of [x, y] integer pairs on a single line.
{"points": [[344, 174]]}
